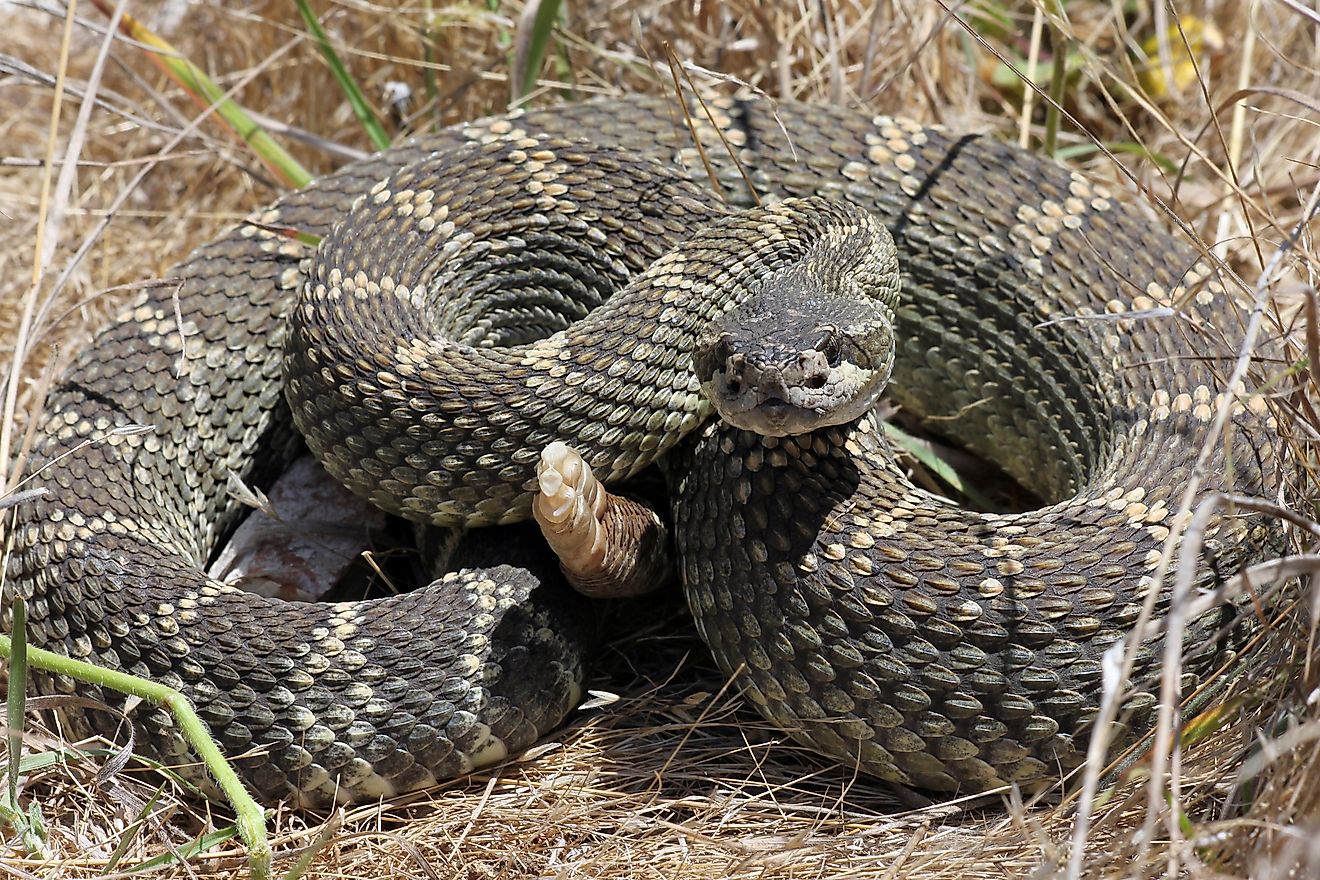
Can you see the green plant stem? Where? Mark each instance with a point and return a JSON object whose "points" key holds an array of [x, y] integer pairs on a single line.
{"points": [[14, 705], [250, 819]]}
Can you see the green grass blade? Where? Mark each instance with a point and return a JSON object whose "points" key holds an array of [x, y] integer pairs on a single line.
{"points": [[130, 833], [1077, 151], [203, 843], [936, 465], [361, 109], [322, 840], [208, 94], [428, 54], [31, 825], [530, 46], [44, 760], [1058, 89]]}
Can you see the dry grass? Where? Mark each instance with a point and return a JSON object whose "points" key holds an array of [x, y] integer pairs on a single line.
{"points": [[676, 780]]}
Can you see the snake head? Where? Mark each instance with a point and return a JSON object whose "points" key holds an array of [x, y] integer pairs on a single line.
{"points": [[813, 345]]}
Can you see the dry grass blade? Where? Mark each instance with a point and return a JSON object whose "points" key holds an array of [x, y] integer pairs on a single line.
{"points": [[39, 260], [678, 779], [1312, 337]]}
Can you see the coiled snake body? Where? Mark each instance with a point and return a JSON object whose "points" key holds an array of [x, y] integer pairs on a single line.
{"points": [[922, 642]]}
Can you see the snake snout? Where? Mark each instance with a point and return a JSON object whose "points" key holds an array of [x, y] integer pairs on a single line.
{"points": [[761, 385]]}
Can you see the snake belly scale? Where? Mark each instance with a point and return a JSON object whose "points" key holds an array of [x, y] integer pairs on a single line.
{"points": [[926, 644]]}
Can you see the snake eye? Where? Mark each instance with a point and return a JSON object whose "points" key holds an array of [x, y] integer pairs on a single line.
{"points": [[712, 356], [831, 345], [723, 351]]}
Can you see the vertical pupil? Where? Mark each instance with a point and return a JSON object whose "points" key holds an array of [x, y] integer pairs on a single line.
{"points": [[829, 346]]}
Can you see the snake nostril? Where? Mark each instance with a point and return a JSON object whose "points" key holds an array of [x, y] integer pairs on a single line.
{"points": [[733, 386], [815, 381]]}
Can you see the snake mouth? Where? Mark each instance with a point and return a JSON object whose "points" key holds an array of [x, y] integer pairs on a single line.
{"points": [[772, 416], [779, 418]]}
